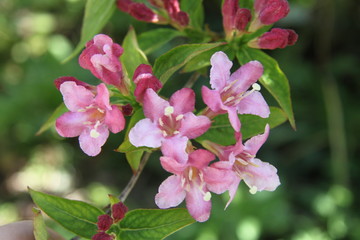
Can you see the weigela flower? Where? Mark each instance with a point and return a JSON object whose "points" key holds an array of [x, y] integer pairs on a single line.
{"points": [[276, 38], [191, 179], [256, 174], [168, 119], [144, 79], [230, 91], [91, 116], [101, 57], [234, 17]]}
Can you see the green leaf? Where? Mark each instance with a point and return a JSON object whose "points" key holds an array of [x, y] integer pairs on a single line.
{"points": [[76, 216], [273, 79], [195, 10], [150, 41], [251, 125], [153, 224], [97, 14], [61, 109], [173, 60], [40, 232], [133, 56]]}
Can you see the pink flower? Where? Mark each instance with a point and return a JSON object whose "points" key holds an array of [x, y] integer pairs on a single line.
{"points": [[230, 90], [234, 17], [256, 174], [144, 79], [191, 180], [101, 57], [168, 119], [276, 38], [90, 117]]}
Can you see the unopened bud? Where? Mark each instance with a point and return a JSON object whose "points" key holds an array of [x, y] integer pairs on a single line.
{"points": [[144, 79], [182, 18], [242, 18], [104, 222], [118, 211], [276, 38], [102, 236], [127, 109], [271, 11], [142, 13]]}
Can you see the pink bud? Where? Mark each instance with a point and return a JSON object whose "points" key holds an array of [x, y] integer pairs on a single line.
{"points": [[242, 18], [124, 5], [182, 18], [276, 38], [127, 109], [229, 10], [118, 211], [173, 9], [142, 13], [293, 37], [271, 11], [102, 236], [144, 79], [104, 222]]}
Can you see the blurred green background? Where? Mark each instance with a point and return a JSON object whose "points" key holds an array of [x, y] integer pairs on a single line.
{"points": [[317, 164]]}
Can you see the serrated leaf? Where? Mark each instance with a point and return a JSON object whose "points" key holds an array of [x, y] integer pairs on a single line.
{"points": [[76, 216], [133, 56], [168, 63], [61, 109], [97, 14], [273, 79], [195, 10], [251, 125], [153, 224], [40, 232], [150, 41]]}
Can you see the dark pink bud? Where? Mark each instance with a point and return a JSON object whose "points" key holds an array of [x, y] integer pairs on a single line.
{"points": [[172, 7], [142, 13], [271, 11], [242, 18], [157, 3], [229, 10], [124, 5], [182, 18], [102, 236], [118, 211], [61, 80], [127, 109], [104, 222], [293, 37], [144, 79], [277, 38]]}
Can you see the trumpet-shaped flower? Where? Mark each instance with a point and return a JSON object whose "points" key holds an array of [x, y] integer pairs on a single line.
{"points": [[168, 119], [230, 91], [144, 79], [90, 117], [192, 179]]}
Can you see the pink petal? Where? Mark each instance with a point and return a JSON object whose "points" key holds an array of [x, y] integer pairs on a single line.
{"points": [[220, 70], [102, 98], [170, 193], [232, 190], [200, 158], [71, 124], [246, 75], [90, 145], [219, 176], [212, 99], [234, 118], [198, 208], [114, 119], [183, 101], [75, 97], [193, 126], [154, 105], [254, 104], [172, 165], [253, 145], [175, 148], [146, 133]]}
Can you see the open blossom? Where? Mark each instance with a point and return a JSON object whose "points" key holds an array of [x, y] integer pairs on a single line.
{"points": [[230, 91], [168, 119], [144, 79], [276, 38], [191, 180], [256, 174], [101, 57], [91, 116]]}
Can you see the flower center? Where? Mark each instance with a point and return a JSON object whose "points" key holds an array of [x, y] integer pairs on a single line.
{"points": [[193, 177], [169, 123], [95, 118], [231, 96]]}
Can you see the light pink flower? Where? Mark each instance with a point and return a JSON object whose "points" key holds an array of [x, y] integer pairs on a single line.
{"points": [[90, 117], [168, 119], [144, 79], [276, 38], [101, 57], [230, 91], [192, 180], [256, 174]]}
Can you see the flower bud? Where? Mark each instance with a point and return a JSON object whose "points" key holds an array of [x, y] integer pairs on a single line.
{"points": [[178, 16], [102, 236], [276, 38], [229, 10], [118, 211], [104, 222], [271, 11], [127, 109], [144, 79], [142, 13], [242, 18], [182, 18]]}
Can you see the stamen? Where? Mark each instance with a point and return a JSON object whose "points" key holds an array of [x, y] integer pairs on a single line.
{"points": [[207, 196], [190, 173], [256, 87], [100, 110], [176, 132], [94, 133], [164, 133], [229, 99], [161, 123], [168, 111], [179, 117], [228, 86], [81, 110], [242, 161], [87, 123], [253, 189], [183, 180]]}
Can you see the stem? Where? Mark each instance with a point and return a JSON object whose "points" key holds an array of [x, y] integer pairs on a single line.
{"points": [[192, 80]]}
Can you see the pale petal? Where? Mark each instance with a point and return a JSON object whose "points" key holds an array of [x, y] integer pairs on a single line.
{"points": [[91, 145], [154, 105], [234, 119], [254, 104], [114, 119], [219, 176], [183, 101], [146, 133], [232, 190], [170, 193], [253, 145], [102, 98], [212, 99], [198, 208], [75, 96], [172, 165], [175, 148], [193, 126], [220, 70], [200, 158], [71, 124], [246, 75]]}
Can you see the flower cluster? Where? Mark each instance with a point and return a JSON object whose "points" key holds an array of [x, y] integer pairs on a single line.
{"points": [[238, 22]]}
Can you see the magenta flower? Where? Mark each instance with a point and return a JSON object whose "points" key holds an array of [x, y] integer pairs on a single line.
{"points": [[101, 57], [144, 79], [191, 180], [230, 92], [90, 117], [234, 17], [276, 38], [168, 119], [256, 174]]}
